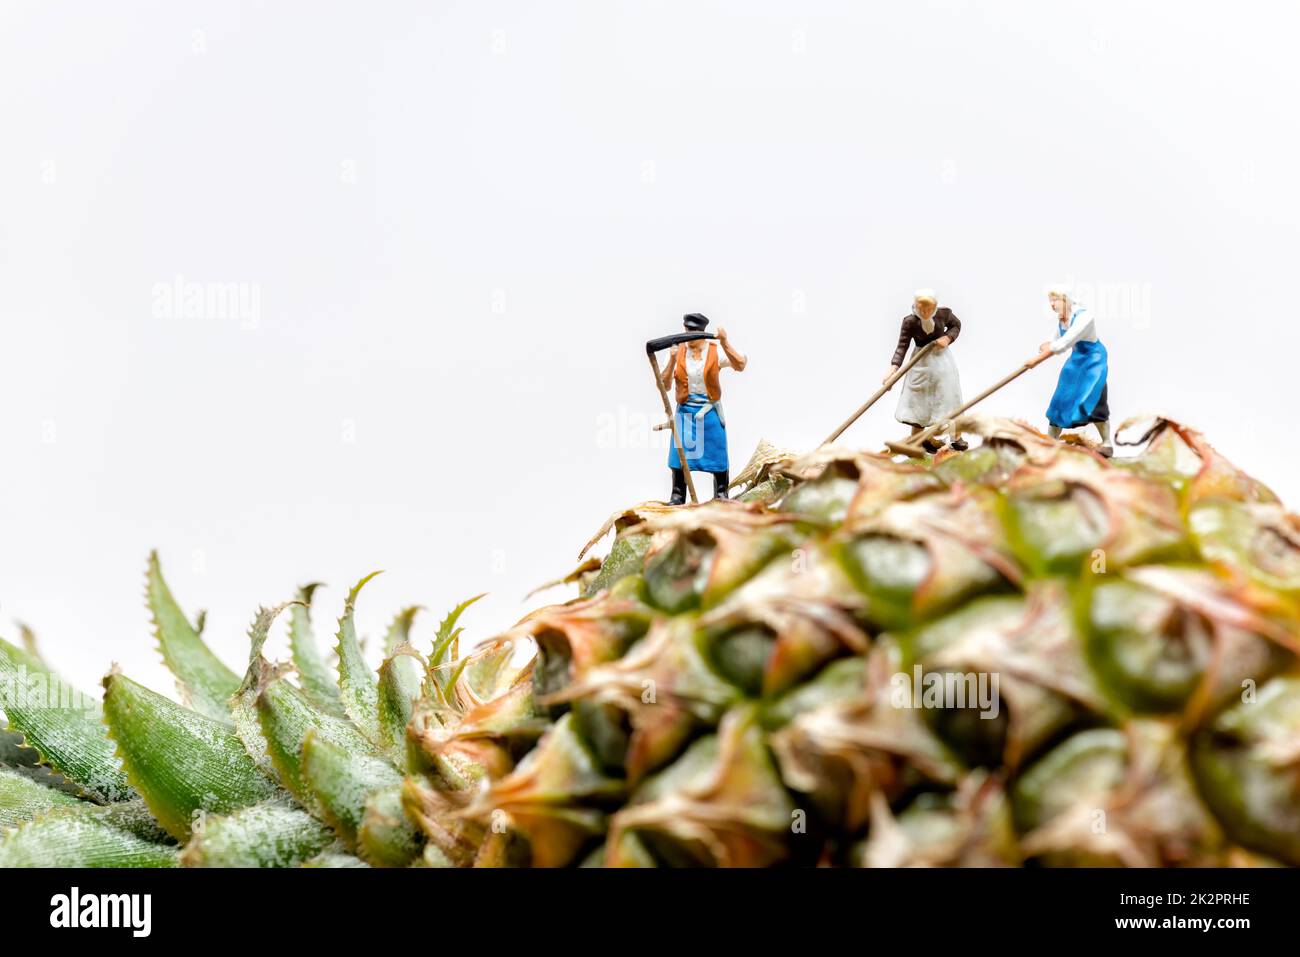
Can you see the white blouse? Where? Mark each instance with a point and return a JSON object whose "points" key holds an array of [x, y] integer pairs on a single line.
{"points": [[695, 370], [1082, 328]]}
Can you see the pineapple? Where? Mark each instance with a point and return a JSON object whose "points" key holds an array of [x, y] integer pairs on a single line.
{"points": [[1020, 654]]}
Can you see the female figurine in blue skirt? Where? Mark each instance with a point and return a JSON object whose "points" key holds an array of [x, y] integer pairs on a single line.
{"points": [[694, 371], [1080, 395]]}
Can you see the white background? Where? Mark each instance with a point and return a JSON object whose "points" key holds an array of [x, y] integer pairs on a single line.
{"points": [[464, 219]]}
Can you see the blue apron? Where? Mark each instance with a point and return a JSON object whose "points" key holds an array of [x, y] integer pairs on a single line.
{"points": [[703, 440], [1080, 395]]}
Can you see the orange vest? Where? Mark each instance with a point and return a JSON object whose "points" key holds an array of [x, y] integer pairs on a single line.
{"points": [[712, 381]]}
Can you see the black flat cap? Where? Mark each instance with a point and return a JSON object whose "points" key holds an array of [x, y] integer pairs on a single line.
{"points": [[695, 322]]}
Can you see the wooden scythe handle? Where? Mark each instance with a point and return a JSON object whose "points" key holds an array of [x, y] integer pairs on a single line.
{"points": [[672, 423]]}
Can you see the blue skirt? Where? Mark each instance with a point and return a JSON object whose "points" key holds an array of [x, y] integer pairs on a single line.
{"points": [[1080, 395], [703, 440]]}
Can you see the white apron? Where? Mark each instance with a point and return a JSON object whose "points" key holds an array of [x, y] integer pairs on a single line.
{"points": [[931, 390]]}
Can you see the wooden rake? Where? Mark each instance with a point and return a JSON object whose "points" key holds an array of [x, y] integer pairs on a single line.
{"points": [[914, 445], [879, 393]]}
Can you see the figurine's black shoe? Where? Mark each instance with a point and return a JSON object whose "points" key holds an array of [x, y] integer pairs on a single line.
{"points": [[679, 488], [931, 446], [721, 480], [958, 446], [1106, 451]]}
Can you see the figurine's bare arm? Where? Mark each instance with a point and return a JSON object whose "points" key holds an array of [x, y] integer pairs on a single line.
{"points": [[737, 359]]}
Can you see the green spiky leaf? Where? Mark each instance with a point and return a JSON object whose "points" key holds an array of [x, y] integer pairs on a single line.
{"points": [[445, 642], [243, 704], [270, 834], [22, 798], [399, 687], [287, 716], [205, 683], [447, 633], [399, 629], [62, 724], [316, 676], [387, 837], [341, 781], [180, 761], [120, 835], [357, 683]]}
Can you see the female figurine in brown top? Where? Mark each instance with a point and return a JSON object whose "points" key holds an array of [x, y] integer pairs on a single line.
{"points": [[932, 389]]}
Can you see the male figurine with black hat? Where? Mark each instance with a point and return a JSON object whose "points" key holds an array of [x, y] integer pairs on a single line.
{"points": [[694, 370]]}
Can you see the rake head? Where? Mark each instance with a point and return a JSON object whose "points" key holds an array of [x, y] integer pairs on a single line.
{"points": [[908, 449]]}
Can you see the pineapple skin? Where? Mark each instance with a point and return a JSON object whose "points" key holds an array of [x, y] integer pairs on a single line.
{"points": [[746, 670], [1024, 654]]}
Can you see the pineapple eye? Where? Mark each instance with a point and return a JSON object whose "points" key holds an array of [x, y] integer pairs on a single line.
{"points": [[608, 729], [1057, 526], [1261, 541], [555, 659], [1089, 765], [1154, 654], [824, 500], [741, 656], [889, 570], [1149, 651], [982, 740], [675, 575], [1245, 768]]}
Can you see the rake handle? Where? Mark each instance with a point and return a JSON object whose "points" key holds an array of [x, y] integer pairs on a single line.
{"points": [[889, 384], [1007, 380]]}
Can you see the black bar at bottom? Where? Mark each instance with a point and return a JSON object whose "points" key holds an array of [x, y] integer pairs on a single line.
{"points": [[595, 908]]}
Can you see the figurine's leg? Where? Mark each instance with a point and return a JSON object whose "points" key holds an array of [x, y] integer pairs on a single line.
{"points": [[930, 444], [679, 487], [1054, 431], [1103, 429], [720, 482]]}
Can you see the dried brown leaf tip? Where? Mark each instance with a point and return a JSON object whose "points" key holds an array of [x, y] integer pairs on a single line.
{"points": [[1182, 456]]}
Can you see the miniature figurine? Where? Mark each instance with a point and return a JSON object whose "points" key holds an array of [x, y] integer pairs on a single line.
{"points": [[932, 389], [694, 369], [1080, 395]]}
